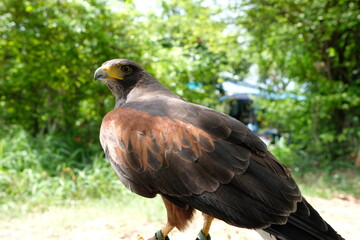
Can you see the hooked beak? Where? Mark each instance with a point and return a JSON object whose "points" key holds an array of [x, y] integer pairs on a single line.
{"points": [[100, 74]]}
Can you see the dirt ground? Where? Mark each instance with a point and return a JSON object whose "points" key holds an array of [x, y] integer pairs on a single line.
{"points": [[343, 213]]}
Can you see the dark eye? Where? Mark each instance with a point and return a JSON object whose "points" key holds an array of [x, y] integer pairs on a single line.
{"points": [[126, 69]]}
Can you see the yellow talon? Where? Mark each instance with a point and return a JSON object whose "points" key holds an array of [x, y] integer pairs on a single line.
{"points": [[140, 237]]}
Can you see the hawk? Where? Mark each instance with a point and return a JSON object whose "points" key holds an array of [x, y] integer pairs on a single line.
{"points": [[196, 158]]}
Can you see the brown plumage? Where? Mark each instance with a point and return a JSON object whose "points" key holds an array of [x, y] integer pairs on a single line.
{"points": [[197, 158]]}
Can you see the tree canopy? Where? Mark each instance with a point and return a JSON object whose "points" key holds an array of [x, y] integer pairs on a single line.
{"points": [[311, 48], [49, 51]]}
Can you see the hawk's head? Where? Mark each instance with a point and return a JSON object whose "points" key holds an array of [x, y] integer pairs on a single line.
{"points": [[126, 78], [119, 71]]}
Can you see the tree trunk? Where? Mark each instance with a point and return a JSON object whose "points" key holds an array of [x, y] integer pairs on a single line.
{"points": [[357, 161]]}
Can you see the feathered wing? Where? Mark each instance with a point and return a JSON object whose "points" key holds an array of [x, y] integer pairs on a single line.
{"points": [[194, 156]]}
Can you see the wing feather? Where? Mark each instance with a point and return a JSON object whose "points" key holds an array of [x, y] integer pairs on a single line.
{"points": [[198, 157]]}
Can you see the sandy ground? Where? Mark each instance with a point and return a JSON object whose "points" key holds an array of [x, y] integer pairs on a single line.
{"points": [[342, 213]]}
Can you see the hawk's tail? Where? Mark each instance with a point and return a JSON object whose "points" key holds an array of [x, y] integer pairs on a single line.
{"points": [[305, 223]]}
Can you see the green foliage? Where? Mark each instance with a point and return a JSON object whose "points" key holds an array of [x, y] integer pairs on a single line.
{"points": [[315, 47], [34, 173], [190, 47], [48, 52], [50, 49]]}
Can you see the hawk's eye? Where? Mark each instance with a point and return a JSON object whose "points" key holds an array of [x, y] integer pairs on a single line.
{"points": [[126, 69]]}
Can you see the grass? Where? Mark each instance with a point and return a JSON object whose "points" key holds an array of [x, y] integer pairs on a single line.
{"points": [[37, 172], [46, 171], [338, 182], [111, 218], [316, 177]]}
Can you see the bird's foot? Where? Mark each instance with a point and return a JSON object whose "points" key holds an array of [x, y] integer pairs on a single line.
{"points": [[201, 236], [159, 236], [140, 237]]}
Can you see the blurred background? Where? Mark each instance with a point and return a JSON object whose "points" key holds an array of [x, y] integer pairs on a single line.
{"points": [[290, 70]]}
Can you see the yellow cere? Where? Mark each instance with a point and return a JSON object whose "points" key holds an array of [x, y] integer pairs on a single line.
{"points": [[112, 72]]}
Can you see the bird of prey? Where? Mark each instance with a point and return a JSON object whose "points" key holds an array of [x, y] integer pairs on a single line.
{"points": [[198, 158]]}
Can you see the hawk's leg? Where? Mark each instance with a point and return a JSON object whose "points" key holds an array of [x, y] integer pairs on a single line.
{"points": [[167, 229], [162, 234], [204, 233], [178, 217]]}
